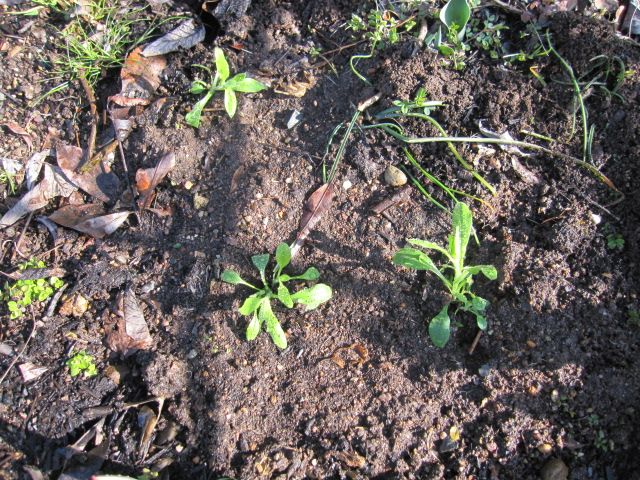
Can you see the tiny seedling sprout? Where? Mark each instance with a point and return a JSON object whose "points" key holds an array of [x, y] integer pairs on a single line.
{"points": [[258, 305], [82, 362], [454, 274], [220, 82]]}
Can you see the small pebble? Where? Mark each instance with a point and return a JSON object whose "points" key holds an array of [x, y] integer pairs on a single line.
{"points": [[347, 185], [545, 449], [394, 177]]}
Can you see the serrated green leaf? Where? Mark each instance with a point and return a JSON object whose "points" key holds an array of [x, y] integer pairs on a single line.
{"points": [[222, 67], [251, 303], [253, 329], [193, 117], [273, 327], [314, 296], [285, 296], [440, 327], [283, 255], [230, 102]]}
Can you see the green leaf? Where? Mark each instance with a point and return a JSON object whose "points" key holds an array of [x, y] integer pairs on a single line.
{"points": [[222, 67], [462, 223], [273, 327], [230, 102], [248, 85], [445, 50], [283, 255], [193, 117], [417, 260], [479, 304], [285, 296], [439, 327], [311, 273], [253, 329], [261, 262], [314, 296], [430, 245], [481, 321], [198, 86], [456, 12], [488, 271], [251, 304], [229, 276]]}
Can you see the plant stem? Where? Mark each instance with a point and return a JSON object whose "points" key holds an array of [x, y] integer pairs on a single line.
{"points": [[341, 148]]}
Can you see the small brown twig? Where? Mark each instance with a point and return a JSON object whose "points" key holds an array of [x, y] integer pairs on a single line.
{"points": [[335, 50], [20, 238], [91, 141], [474, 344]]}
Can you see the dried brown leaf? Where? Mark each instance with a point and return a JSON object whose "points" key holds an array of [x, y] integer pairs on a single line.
{"points": [[75, 305], [296, 88], [29, 371], [52, 185], [99, 181], [148, 179], [140, 78], [132, 331], [148, 420], [89, 219], [351, 459], [183, 37], [18, 130], [316, 206]]}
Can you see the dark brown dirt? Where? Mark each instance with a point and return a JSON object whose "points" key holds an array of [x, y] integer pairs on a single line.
{"points": [[559, 367]]}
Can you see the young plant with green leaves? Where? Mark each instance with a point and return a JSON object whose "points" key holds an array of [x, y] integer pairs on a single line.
{"points": [[82, 362], [258, 305], [220, 82], [22, 293], [454, 274]]}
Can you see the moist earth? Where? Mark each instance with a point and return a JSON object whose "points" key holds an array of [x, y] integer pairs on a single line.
{"points": [[555, 376]]}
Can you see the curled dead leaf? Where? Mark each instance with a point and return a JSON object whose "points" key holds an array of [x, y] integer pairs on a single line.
{"points": [[18, 130], [132, 332], [316, 206], [140, 79], [89, 219], [183, 37], [148, 179], [296, 88]]}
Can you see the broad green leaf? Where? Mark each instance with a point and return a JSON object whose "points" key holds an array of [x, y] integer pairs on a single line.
{"points": [[456, 12], [193, 117], [222, 67], [479, 304], [249, 85], [481, 321], [261, 262], [273, 326], [232, 82], [234, 278], [430, 245], [283, 255], [230, 102], [251, 304], [253, 329], [445, 50], [488, 271], [417, 260], [198, 86], [284, 296], [314, 296], [310, 273], [439, 327], [462, 223]]}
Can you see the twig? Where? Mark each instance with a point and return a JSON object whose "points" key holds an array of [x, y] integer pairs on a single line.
{"points": [[474, 344], [507, 7], [91, 141], [400, 196], [24, 230], [335, 50], [24, 347]]}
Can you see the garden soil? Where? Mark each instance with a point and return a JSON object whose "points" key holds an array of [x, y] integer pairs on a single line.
{"points": [[361, 392]]}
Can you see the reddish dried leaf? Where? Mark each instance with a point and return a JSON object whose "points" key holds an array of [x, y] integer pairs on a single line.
{"points": [[148, 179], [99, 181], [18, 130], [140, 78], [132, 331], [316, 206]]}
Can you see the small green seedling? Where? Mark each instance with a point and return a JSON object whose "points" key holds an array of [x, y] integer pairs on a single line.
{"points": [[82, 362], [221, 82], [22, 293], [258, 305], [459, 281], [615, 241], [8, 179]]}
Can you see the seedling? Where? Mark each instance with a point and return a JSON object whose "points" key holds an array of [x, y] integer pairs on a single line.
{"points": [[220, 82], [8, 179], [615, 241], [486, 34], [460, 279], [22, 293], [82, 362], [258, 305]]}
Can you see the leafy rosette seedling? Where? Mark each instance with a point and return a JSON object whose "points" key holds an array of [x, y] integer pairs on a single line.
{"points": [[258, 305], [22, 293], [221, 82], [82, 362], [454, 274]]}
